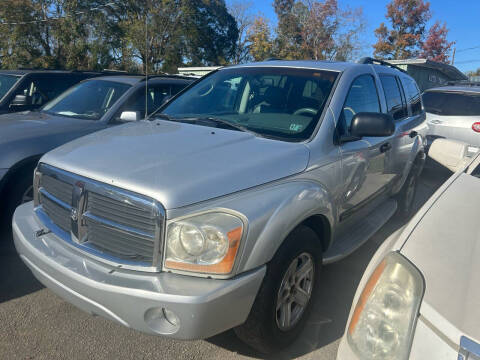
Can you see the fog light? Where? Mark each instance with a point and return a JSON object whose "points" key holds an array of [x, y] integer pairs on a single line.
{"points": [[171, 317], [162, 321]]}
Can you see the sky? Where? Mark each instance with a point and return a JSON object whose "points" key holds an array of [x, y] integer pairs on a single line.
{"points": [[461, 16]]}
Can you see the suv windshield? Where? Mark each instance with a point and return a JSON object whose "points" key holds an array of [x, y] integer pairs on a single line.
{"points": [[88, 100], [6, 83], [283, 103], [452, 103]]}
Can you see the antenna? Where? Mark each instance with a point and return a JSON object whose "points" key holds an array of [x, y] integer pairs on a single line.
{"points": [[146, 62]]}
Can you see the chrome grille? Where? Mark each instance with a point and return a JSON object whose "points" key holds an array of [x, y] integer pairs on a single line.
{"points": [[57, 214], [111, 224], [122, 213], [59, 189]]}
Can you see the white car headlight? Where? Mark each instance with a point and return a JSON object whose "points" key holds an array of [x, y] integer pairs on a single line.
{"points": [[384, 318], [206, 243]]}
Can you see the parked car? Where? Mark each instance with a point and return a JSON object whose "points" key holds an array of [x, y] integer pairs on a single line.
{"points": [[91, 105], [419, 297], [22, 90], [453, 112], [220, 210]]}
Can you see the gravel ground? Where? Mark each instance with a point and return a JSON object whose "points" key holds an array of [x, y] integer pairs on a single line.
{"points": [[36, 324]]}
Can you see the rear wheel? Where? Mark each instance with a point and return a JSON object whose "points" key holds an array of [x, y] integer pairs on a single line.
{"points": [[406, 196], [285, 298]]}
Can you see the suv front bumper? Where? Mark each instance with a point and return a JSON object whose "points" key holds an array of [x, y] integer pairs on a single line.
{"points": [[202, 307]]}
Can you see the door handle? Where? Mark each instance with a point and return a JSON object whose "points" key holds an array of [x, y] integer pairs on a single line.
{"points": [[385, 147], [436, 122]]}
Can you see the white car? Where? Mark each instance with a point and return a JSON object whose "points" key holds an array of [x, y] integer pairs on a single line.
{"points": [[419, 297]]}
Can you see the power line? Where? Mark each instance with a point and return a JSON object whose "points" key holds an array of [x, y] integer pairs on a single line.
{"points": [[100, 7], [470, 48], [468, 61]]}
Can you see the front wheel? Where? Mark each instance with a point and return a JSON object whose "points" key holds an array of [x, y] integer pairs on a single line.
{"points": [[285, 298]]}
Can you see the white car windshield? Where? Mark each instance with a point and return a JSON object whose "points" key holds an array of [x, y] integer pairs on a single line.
{"points": [[88, 100], [278, 102]]}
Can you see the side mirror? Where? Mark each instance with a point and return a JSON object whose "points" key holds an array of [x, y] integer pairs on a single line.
{"points": [[449, 153], [19, 100], [130, 116], [372, 124]]}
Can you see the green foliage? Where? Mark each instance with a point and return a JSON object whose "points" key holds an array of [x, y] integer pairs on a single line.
{"points": [[67, 34], [404, 38]]}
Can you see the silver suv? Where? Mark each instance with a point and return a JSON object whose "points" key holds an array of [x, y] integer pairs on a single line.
{"points": [[219, 211]]}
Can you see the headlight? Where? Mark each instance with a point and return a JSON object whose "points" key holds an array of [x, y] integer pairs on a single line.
{"points": [[205, 243], [384, 318]]}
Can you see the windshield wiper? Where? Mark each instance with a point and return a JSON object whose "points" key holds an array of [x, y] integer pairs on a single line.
{"points": [[224, 123], [162, 116]]}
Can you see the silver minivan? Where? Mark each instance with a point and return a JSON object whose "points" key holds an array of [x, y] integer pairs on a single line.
{"points": [[453, 112]]}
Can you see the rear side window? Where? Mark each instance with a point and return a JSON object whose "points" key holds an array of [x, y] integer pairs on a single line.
{"points": [[451, 103], [362, 97], [395, 104], [413, 95]]}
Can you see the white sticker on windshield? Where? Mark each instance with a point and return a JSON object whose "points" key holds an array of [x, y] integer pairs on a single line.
{"points": [[296, 127]]}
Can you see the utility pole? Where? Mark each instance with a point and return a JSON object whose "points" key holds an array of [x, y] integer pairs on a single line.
{"points": [[453, 56]]}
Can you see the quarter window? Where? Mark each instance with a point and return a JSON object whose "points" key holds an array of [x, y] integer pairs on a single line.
{"points": [[362, 97], [413, 95], [393, 97]]}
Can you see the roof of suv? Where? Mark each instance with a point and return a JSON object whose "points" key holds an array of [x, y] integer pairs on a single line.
{"points": [[134, 79], [20, 72], [320, 65], [463, 89]]}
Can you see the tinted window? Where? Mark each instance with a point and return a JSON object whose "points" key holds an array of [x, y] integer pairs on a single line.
{"points": [[413, 95], [362, 97], [6, 83], [395, 105], [87, 100], [283, 103], [40, 89], [155, 95], [450, 103]]}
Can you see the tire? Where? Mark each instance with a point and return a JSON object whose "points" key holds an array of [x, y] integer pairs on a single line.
{"points": [[15, 191], [406, 196], [265, 329]]}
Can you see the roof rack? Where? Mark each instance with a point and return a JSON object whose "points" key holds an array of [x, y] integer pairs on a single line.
{"points": [[272, 59], [369, 60]]}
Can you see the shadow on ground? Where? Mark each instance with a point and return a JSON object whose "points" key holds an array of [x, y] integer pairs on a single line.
{"points": [[339, 283], [16, 280]]}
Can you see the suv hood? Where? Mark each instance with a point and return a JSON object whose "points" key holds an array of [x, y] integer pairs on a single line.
{"points": [[34, 124], [179, 164], [445, 247]]}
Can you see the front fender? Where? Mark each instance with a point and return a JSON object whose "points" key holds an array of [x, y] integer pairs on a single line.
{"points": [[284, 208]]}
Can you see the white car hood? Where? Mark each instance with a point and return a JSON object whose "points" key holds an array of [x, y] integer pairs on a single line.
{"points": [[179, 164], [445, 247]]}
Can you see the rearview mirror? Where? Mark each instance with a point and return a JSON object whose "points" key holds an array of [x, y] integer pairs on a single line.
{"points": [[130, 116], [19, 100], [451, 154], [372, 124]]}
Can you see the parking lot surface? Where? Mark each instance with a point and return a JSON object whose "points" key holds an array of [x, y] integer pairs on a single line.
{"points": [[36, 324]]}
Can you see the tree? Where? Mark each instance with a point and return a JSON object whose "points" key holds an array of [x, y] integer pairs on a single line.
{"points": [[436, 47], [405, 36], [331, 33], [288, 43], [259, 36], [244, 19]]}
